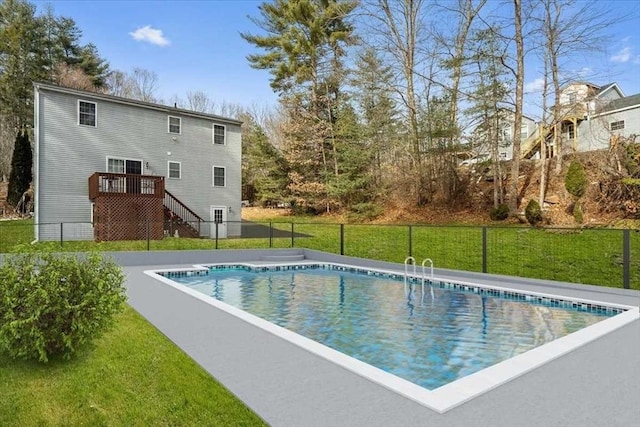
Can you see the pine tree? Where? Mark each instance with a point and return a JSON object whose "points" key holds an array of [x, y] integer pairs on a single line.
{"points": [[21, 165]]}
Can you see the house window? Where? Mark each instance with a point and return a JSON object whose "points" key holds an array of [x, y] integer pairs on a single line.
{"points": [[524, 132], [572, 97], [87, 113], [174, 170], [115, 165], [174, 124], [219, 176], [619, 125], [219, 134], [571, 130]]}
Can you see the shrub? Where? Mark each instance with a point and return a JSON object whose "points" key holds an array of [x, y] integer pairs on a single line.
{"points": [[500, 212], [54, 304], [533, 212], [21, 164], [364, 211], [577, 212], [576, 180]]}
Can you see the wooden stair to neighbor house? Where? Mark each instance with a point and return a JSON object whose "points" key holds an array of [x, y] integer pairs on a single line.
{"points": [[178, 217], [532, 144]]}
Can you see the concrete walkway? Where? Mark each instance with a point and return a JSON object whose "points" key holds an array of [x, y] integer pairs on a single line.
{"points": [[595, 385]]}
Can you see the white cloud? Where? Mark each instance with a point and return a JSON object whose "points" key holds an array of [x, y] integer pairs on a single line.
{"points": [[535, 86], [623, 55], [150, 35]]}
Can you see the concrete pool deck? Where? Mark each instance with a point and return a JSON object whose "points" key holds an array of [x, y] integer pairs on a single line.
{"points": [[596, 384]]}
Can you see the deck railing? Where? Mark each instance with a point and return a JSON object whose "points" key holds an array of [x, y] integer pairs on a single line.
{"points": [[123, 184]]}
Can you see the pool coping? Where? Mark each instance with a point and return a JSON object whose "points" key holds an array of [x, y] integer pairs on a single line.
{"points": [[444, 398]]}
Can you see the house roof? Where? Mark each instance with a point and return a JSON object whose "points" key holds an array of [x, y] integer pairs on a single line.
{"points": [[120, 100], [618, 104]]}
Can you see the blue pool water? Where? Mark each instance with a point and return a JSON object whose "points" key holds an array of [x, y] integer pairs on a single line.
{"points": [[429, 339]]}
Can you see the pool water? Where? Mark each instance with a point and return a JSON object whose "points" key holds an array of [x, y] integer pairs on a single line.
{"points": [[430, 339]]}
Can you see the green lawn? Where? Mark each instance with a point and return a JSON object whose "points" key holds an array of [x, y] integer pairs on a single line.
{"points": [[590, 256], [133, 376]]}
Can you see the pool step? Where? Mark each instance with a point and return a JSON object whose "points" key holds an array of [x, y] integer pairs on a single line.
{"points": [[284, 257]]}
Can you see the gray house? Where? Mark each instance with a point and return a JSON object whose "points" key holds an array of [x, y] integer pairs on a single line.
{"points": [[590, 117], [111, 168]]}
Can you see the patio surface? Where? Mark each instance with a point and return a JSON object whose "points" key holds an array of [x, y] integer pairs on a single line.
{"points": [[596, 384]]}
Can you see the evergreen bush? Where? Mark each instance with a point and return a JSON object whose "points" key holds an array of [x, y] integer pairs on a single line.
{"points": [[576, 179], [500, 212], [21, 164], [533, 212], [56, 304]]}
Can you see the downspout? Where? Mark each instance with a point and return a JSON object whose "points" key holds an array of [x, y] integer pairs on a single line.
{"points": [[36, 163]]}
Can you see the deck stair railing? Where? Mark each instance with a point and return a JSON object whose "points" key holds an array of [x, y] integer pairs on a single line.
{"points": [[181, 217]]}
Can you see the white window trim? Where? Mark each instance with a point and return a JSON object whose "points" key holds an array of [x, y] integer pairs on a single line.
{"points": [[169, 125], [213, 176], [169, 169], [213, 134], [106, 167], [78, 113]]}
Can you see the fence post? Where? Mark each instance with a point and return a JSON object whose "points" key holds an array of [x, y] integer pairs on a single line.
{"points": [[216, 234], [61, 238], [341, 239], [270, 234], [148, 239], [626, 258], [410, 242], [292, 234], [484, 249]]}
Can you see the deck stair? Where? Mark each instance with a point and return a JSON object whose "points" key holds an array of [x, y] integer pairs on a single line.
{"points": [[283, 256], [179, 218]]}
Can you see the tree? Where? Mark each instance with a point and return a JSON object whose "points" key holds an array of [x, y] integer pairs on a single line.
{"points": [[21, 165], [372, 81], [304, 46], [488, 101], [517, 116], [569, 29], [398, 26]]}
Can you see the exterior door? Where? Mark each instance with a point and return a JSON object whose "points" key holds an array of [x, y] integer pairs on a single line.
{"points": [[133, 167], [219, 217]]}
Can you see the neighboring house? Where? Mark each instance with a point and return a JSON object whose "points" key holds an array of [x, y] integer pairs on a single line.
{"points": [[588, 117], [111, 168], [480, 139]]}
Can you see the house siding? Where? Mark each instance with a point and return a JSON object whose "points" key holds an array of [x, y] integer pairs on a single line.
{"points": [[69, 153], [595, 133]]}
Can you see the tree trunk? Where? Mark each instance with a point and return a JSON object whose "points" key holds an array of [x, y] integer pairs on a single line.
{"points": [[517, 125]]}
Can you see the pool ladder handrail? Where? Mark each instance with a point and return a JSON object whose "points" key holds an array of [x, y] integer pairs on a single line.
{"points": [[411, 260]]}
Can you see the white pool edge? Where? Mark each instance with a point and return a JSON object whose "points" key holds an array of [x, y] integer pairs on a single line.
{"points": [[450, 395]]}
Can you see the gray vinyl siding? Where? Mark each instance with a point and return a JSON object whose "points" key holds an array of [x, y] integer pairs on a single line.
{"points": [[68, 153], [595, 133]]}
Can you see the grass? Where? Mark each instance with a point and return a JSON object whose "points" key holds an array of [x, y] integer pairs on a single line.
{"points": [[590, 256], [133, 376]]}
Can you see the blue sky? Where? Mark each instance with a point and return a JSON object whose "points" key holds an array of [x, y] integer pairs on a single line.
{"points": [[196, 45]]}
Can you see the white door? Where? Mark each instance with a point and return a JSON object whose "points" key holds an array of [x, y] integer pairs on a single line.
{"points": [[219, 217]]}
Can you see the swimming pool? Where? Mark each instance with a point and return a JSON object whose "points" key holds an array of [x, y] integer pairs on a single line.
{"points": [[432, 346]]}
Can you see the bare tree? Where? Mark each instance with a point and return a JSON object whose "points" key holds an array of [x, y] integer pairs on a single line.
{"points": [[570, 29], [144, 85], [198, 100], [399, 30], [517, 120]]}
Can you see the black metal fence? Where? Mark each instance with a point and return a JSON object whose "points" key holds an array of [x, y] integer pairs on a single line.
{"points": [[608, 257]]}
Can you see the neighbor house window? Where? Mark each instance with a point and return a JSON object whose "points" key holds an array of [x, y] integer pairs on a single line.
{"points": [[174, 170], [619, 125], [572, 97], [174, 124], [571, 130], [219, 134], [524, 132], [219, 176], [87, 113]]}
